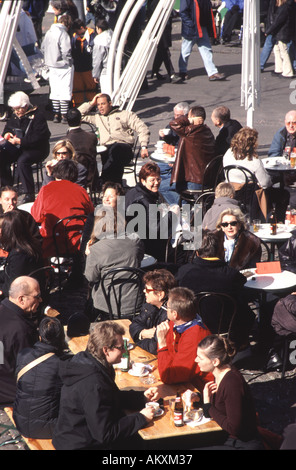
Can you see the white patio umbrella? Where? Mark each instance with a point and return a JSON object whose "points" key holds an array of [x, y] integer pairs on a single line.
{"points": [[250, 77]]}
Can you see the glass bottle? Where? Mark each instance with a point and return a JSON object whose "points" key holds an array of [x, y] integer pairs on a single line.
{"points": [[125, 360], [272, 222], [178, 411]]}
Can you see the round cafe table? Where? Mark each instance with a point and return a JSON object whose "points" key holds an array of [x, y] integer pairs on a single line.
{"points": [[278, 166], [282, 235], [162, 157]]}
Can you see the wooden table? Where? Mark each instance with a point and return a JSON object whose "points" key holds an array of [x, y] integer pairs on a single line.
{"points": [[161, 427]]}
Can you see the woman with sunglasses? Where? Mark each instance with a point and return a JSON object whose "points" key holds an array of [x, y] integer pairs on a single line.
{"points": [[64, 150], [143, 327], [242, 248]]}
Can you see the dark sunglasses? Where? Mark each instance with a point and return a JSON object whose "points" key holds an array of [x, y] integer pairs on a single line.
{"points": [[225, 224]]}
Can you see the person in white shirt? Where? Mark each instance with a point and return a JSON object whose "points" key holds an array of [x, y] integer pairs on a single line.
{"points": [[243, 152]]}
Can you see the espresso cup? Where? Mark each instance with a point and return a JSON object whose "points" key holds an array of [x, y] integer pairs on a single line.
{"points": [[154, 405], [138, 368]]}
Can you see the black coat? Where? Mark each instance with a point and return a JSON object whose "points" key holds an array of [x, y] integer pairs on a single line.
{"points": [[142, 196], [204, 275], [223, 139], [149, 317], [282, 21], [92, 407], [37, 401], [17, 332], [287, 254], [35, 131], [85, 145]]}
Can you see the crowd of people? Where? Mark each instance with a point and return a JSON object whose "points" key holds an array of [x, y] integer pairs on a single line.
{"points": [[73, 399]]}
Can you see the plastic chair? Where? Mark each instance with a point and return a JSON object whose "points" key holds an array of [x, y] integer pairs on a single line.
{"points": [[63, 231], [247, 193], [213, 175], [118, 282], [225, 308]]}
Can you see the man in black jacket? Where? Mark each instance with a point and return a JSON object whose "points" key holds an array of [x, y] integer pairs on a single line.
{"points": [[228, 128], [17, 330], [27, 141]]}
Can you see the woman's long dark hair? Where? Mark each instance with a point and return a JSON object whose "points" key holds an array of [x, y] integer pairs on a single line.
{"points": [[15, 235]]}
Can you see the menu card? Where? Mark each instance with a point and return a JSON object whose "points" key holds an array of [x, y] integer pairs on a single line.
{"points": [[268, 267]]}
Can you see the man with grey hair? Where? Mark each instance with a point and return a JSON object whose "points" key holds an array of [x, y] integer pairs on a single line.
{"points": [[17, 330], [170, 137]]}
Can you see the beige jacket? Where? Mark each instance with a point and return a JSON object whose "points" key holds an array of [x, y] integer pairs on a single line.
{"points": [[117, 126]]}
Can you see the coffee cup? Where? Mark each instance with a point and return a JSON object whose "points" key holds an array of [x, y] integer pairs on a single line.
{"points": [[138, 368], [166, 131], [154, 405]]}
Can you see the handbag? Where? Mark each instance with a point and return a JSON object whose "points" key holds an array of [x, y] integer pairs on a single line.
{"points": [[33, 364]]}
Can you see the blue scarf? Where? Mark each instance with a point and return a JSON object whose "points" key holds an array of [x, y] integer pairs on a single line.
{"points": [[181, 328]]}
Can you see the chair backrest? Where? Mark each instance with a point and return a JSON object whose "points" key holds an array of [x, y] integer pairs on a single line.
{"points": [[246, 194], [217, 311], [266, 251], [67, 234], [213, 174], [46, 277], [205, 200], [123, 285]]}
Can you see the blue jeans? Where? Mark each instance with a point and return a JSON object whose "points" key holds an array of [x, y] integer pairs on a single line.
{"points": [[168, 191], [205, 50], [266, 50]]}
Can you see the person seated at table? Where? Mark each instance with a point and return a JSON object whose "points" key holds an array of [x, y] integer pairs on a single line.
{"points": [[195, 150], [27, 141], [92, 408], [143, 327], [110, 193], [110, 247], [58, 199], [178, 338], [8, 202], [228, 399], [169, 136], [36, 406], [287, 254], [24, 251], [242, 249], [284, 137], [209, 272], [146, 194], [228, 128], [224, 199], [243, 152], [64, 150]]}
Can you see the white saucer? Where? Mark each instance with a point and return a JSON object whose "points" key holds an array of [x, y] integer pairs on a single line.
{"points": [[144, 374], [159, 413]]}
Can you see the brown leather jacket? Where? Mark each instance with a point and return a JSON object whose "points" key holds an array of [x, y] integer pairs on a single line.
{"points": [[196, 148]]}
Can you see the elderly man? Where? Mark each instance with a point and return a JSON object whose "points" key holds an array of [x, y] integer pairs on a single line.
{"points": [[17, 330], [285, 136], [170, 137], [116, 128], [27, 142]]}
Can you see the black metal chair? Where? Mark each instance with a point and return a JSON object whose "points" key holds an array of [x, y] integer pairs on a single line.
{"points": [[218, 311], [63, 231], [131, 167], [286, 351], [46, 278], [205, 201], [213, 175], [116, 283], [37, 168], [246, 194]]}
